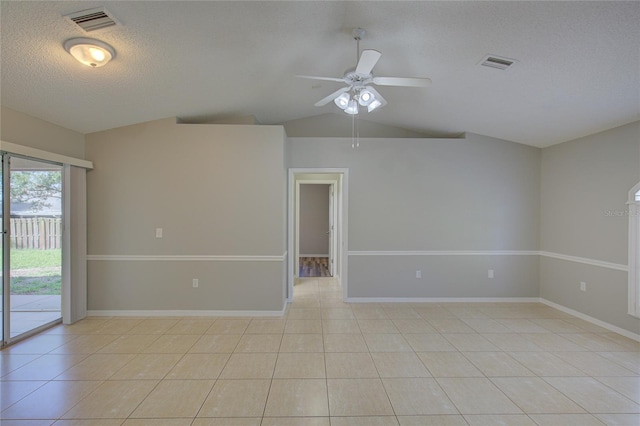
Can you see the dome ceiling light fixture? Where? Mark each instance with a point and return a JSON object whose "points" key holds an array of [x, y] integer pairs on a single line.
{"points": [[90, 52]]}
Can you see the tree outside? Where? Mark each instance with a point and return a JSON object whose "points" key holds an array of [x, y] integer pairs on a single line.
{"points": [[36, 189]]}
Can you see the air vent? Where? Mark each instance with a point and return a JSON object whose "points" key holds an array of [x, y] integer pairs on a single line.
{"points": [[497, 62], [92, 19]]}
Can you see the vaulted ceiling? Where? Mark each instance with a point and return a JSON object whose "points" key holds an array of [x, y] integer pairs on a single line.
{"points": [[578, 71]]}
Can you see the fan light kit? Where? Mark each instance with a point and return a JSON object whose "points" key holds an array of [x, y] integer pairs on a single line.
{"points": [[90, 52], [359, 92], [348, 102]]}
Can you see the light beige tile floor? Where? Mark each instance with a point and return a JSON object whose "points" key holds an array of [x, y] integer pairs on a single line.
{"points": [[327, 363]]}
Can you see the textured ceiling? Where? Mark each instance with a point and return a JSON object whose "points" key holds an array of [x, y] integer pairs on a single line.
{"points": [[579, 69]]}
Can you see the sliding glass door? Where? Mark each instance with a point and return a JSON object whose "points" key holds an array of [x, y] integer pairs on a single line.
{"points": [[32, 249]]}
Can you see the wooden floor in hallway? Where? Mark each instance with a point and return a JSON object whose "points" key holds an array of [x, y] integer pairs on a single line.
{"points": [[314, 267]]}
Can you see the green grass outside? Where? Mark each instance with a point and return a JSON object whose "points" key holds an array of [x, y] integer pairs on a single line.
{"points": [[43, 276], [37, 285], [29, 258]]}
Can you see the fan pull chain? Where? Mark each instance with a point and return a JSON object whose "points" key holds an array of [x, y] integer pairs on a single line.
{"points": [[355, 131]]}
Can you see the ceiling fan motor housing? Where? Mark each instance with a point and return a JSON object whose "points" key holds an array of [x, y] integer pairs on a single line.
{"points": [[350, 77]]}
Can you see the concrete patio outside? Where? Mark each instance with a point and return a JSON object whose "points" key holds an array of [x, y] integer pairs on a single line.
{"points": [[29, 312]]}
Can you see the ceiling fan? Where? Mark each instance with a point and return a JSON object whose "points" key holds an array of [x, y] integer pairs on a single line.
{"points": [[359, 81]]}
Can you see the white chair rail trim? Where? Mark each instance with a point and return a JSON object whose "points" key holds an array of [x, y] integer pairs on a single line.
{"points": [[186, 258], [584, 260], [447, 253]]}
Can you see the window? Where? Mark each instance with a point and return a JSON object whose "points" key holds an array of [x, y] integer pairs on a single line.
{"points": [[634, 251]]}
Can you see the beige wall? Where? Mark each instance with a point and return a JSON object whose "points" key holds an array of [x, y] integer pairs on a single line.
{"points": [[582, 180], [215, 190], [314, 219], [22, 129], [474, 193], [432, 195]]}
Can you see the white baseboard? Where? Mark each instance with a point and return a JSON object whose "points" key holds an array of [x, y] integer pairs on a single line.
{"points": [[611, 327], [314, 255], [442, 299], [186, 313]]}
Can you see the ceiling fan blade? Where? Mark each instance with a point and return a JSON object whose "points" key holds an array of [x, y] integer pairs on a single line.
{"points": [[332, 96], [313, 77], [402, 81], [368, 60]]}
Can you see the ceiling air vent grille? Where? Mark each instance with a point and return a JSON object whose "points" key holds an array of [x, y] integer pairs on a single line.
{"points": [[92, 19], [497, 62]]}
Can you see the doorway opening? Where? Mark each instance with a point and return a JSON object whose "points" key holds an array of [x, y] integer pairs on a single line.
{"points": [[317, 211], [316, 223]]}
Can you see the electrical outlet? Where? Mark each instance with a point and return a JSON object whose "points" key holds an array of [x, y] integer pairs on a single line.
{"points": [[583, 286], [158, 232], [490, 273], [418, 274], [195, 283]]}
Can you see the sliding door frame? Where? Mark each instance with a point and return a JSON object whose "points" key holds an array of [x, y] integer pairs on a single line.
{"points": [[6, 280], [74, 286]]}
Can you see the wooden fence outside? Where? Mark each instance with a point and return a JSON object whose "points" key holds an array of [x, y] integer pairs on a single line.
{"points": [[36, 233]]}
